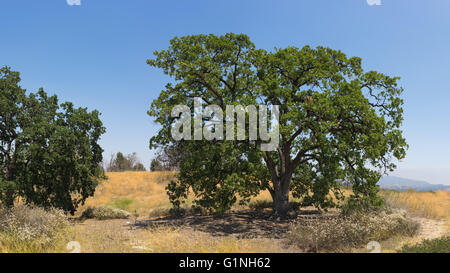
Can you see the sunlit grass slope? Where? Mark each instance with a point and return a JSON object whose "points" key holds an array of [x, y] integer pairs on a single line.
{"points": [[433, 205], [132, 191]]}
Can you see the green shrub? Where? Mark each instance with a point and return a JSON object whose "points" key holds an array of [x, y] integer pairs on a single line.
{"points": [[438, 245], [105, 212], [362, 205], [352, 230]]}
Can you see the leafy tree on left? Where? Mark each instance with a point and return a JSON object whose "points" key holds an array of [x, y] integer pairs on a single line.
{"points": [[49, 152]]}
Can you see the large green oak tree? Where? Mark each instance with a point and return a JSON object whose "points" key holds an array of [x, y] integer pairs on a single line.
{"points": [[337, 123]]}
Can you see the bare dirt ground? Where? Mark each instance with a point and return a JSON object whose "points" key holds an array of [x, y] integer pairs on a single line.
{"points": [[242, 230], [242, 223], [129, 235], [105, 235], [123, 235], [429, 228]]}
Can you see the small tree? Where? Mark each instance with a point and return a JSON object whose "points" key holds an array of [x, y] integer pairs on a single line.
{"points": [[49, 152], [168, 159], [121, 163], [139, 167], [337, 122], [156, 166]]}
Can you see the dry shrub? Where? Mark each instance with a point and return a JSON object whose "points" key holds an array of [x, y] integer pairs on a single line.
{"points": [[159, 212], [355, 230], [105, 212], [24, 222]]}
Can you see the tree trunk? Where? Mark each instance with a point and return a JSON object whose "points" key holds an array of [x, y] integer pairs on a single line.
{"points": [[281, 181], [281, 198], [281, 203]]}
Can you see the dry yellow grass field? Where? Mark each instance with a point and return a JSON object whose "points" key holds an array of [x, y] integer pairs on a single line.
{"points": [[431, 205], [134, 191], [435, 205], [430, 209], [144, 193]]}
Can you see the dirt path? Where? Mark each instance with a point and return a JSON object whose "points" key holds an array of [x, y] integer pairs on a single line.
{"points": [[429, 228]]}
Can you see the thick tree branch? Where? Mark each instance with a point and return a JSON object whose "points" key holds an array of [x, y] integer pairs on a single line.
{"points": [[211, 88]]}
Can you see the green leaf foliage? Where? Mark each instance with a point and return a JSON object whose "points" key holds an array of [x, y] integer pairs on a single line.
{"points": [[338, 123], [49, 152]]}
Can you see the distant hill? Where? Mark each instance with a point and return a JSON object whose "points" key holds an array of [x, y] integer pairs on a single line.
{"points": [[403, 184]]}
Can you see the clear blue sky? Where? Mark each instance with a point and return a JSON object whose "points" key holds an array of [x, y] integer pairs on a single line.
{"points": [[94, 55]]}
